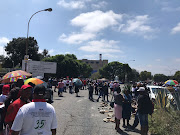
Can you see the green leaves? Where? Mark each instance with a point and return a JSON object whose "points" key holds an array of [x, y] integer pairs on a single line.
{"points": [[68, 65]]}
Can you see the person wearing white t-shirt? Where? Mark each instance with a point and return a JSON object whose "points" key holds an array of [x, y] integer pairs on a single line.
{"points": [[37, 117]]}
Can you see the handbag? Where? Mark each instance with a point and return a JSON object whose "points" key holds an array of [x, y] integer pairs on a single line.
{"points": [[112, 102]]}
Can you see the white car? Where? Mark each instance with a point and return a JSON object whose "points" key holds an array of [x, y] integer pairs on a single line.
{"points": [[154, 91]]}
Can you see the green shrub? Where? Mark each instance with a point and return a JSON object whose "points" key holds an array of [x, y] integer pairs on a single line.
{"points": [[164, 122]]}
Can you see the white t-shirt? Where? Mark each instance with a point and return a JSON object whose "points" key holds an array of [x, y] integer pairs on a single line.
{"points": [[2, 98], [35, 118], [111, 85]]}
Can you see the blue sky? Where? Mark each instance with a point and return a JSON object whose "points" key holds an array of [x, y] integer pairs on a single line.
{"points": [[146, 31]]}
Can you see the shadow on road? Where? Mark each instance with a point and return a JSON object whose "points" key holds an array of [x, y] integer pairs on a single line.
{"points": [[135, 130], [57, 99], [79, 96]]}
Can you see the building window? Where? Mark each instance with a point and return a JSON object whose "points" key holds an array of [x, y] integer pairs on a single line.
{"points": [[87, 62], [92, 62], [97, 62]]}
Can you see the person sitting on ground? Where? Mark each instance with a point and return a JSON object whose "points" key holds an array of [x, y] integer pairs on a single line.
{"points": [[13, 108], [37, 117]]}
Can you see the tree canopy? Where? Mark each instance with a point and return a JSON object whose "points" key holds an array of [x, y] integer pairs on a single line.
{"points": [[16, 50], [160, 78], [113, 69], [177, 76], [68, 65], [145, 75]]}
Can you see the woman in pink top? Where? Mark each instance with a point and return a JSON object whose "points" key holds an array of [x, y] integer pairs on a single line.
{"points": [[60, 87]]}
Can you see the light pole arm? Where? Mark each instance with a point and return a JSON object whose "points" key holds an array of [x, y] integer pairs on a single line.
{"points": [[49, 9]]}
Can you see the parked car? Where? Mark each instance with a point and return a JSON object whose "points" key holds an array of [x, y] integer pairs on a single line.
{"points": [[152, 91], [49, 93]]}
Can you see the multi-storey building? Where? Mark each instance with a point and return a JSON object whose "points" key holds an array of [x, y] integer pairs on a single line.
{"points": [[96, 64]]}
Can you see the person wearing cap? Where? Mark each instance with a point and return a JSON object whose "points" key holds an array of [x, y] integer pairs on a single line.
{"points": [[5, 92], [3, 97], [143, 100], [37, 117], [14, 107]]}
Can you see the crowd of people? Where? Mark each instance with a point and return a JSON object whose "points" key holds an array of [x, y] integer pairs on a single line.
{"points": [[126, 102], [17, 97], [24, 110]]}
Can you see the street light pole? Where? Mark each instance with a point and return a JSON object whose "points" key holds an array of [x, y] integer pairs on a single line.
{"points": [[125, 77], [27, 40]]}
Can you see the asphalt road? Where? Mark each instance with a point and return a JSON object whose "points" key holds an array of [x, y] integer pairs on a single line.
{"points": [[80, 116]]}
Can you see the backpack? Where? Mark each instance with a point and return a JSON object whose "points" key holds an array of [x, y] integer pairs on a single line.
{"points": [[150, 107]]}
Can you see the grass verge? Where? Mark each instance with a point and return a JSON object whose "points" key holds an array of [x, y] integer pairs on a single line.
{"points": [[164, 122]]}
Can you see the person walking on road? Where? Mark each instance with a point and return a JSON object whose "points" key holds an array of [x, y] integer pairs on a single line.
{"points": [[101, 92], [118, 101], [60, 88], [13, 108], [37, 117], [91, 89], [105, 90], [70, 86]]}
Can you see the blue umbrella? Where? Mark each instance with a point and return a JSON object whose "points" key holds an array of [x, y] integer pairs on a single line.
{"points": [[77, 82]]}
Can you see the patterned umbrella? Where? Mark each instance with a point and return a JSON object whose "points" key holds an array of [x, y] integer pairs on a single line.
{"points": [[14, 76], [171, 82], [77, 82], [36, 81]]}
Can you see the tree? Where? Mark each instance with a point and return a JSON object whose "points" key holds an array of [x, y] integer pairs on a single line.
{"points": [[134, 76], [85, 70], [177, 76], [111, 70], [16, 50], [144, 75], [68, 65], [160, 78], [44, 54]]}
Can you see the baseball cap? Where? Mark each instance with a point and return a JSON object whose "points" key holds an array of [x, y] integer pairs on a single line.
{"points": [[141, 89], [39, 89], [5, 89], [25, 86]]}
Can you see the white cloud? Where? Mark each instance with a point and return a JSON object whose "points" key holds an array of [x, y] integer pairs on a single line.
{"points": [[76, 38], [96, 21], [72, 4], [40, 51], [102, 46], [177, 60], [99, 5], [170, 9], [158, 60], [138, 24], [90, 57], [3, 42], [51, 51], [176, 29]]}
